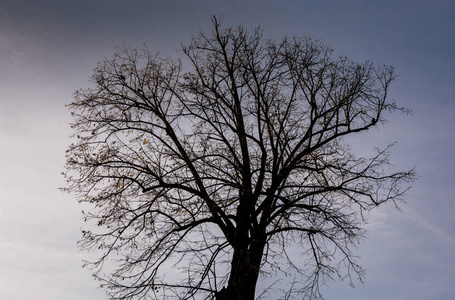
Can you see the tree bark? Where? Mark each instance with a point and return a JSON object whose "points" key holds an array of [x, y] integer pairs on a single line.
{"points": [[245, 267]]}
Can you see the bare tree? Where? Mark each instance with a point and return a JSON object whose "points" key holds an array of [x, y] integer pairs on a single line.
{"points": [[205, 174]]}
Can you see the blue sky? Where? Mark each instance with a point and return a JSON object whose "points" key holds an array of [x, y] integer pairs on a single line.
{"points": [[48, 49]]}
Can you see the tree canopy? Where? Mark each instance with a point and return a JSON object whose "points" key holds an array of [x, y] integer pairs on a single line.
{"points": [[202, 174]]}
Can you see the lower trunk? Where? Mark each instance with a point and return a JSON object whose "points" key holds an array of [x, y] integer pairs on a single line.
{"points": [[244, 275]]}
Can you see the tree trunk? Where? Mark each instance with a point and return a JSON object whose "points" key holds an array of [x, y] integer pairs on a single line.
{"points": [[245, 267]]}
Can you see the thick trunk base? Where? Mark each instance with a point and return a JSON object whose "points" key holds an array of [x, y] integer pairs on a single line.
{"points": [[234, 293]]}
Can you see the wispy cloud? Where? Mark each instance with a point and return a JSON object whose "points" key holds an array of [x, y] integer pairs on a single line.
{"points": [[424, 223]]}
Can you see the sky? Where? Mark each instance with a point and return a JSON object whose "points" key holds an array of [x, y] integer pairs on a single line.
{"points": [[48, 49]]}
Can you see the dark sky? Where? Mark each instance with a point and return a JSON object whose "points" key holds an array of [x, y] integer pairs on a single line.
{"points": [[48, 49]]}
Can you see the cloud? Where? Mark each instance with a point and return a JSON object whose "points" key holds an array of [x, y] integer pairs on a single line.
{"points": [[424, 223]]}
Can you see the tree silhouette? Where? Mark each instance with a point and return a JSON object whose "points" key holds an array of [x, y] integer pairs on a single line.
{"points": [[204, 174]]}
